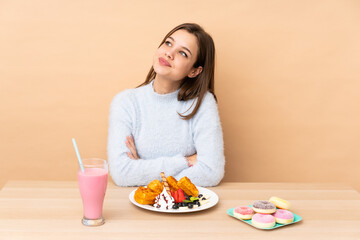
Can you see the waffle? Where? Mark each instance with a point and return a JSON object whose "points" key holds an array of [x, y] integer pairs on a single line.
{"points": [[172, 183], [147, 195], [188, 187], [156, 186]]}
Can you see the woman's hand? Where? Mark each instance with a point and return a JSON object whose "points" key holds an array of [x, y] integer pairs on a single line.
{"points": [[130, 143], [191, 160]]}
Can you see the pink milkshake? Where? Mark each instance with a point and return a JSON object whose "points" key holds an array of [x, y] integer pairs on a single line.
{"points": [[92, 185]]}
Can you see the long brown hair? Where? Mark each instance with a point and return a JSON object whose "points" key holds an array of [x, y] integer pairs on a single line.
{"points": [[192, 88]]}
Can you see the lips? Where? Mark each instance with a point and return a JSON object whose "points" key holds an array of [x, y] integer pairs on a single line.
{"points": [[163, 62]]}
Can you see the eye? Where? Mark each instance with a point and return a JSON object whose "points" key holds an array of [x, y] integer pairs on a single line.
{"points": [[168, 43], [184, 54]]}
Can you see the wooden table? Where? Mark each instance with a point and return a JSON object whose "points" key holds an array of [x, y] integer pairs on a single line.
{"points": [[52, 210]]}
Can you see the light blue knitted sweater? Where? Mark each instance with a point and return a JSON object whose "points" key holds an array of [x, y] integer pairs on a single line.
{"points": [[163, 139]]}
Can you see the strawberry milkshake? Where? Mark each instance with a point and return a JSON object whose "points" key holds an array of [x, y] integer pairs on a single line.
{"points": [[92, 185]]}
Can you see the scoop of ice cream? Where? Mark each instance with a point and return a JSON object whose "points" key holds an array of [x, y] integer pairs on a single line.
{"points": [[164, 200]]}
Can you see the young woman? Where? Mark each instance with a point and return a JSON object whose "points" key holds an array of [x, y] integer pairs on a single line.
{"points": [[170, 123]]}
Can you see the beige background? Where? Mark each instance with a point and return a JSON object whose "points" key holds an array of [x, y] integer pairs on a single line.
{"points": [[287, 80]]}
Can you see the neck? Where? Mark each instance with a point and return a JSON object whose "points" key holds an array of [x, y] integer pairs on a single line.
{"points": [[164, 86]]}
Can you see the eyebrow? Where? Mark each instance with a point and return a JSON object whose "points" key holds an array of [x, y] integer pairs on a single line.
{"points": [[181, 46]]}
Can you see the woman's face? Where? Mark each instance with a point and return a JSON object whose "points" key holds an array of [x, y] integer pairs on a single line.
{"points": [[175, 58]]}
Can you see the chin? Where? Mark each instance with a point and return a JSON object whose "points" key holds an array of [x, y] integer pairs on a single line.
{"points": [[160, 70]]}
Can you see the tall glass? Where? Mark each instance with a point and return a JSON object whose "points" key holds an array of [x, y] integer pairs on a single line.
{"points": [[92, 185]]}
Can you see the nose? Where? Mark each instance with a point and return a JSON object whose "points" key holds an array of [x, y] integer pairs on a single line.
{"points": [[169, 54]]}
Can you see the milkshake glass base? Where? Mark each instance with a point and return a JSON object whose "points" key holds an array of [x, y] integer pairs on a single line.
{"points": [[93, 222]]}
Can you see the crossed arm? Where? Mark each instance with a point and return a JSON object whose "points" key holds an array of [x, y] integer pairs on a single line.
{"points": [[130, 143], [127, 168]]}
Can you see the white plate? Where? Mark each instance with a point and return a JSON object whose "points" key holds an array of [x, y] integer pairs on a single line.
{"points": [[214, 199]]}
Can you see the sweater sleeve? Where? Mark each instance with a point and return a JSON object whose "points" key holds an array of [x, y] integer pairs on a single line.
{"points": [[209, 145], [124, 170]]}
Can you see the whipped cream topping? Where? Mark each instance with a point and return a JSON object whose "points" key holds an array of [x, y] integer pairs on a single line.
{"points": [[164, 200]]}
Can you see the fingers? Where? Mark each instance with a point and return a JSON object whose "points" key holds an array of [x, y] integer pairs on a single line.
{"points": [[131, 145], [188, 159], [192, 160], [189, 163], [132, 150], [130, 155], [128, 144], [131, 141]]}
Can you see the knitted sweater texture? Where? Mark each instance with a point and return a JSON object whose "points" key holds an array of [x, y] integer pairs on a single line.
{"points": [[163, 139]]}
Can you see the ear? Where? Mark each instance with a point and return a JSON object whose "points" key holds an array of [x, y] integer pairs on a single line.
{"points": [[195, 71]]}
